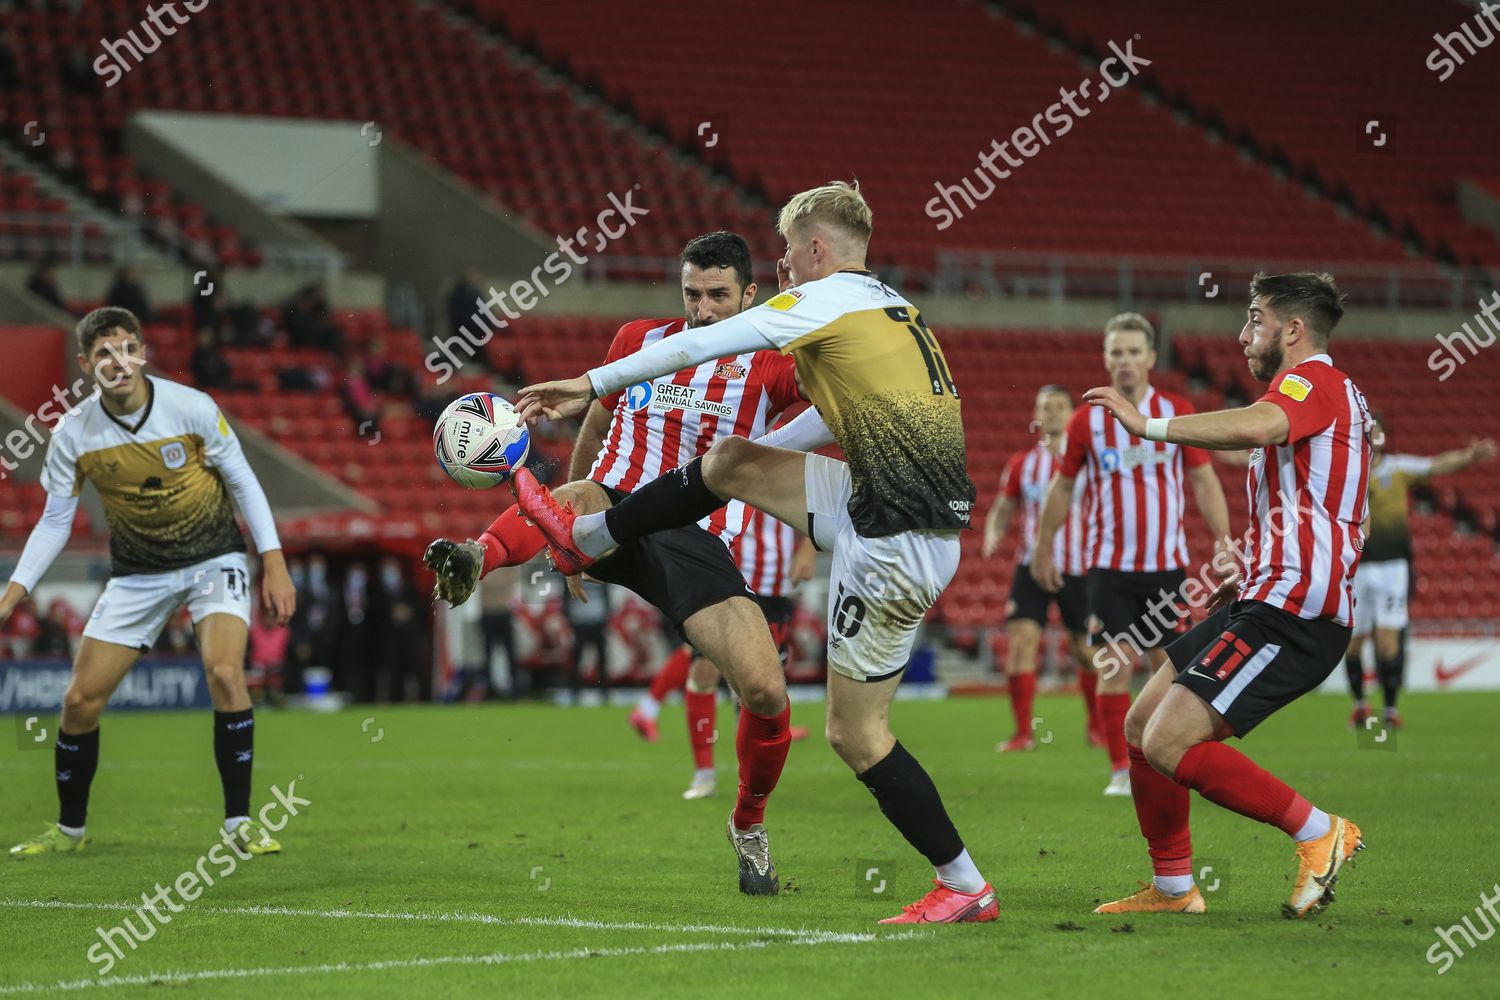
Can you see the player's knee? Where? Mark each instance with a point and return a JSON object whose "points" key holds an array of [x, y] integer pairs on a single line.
{"points": [[81, 707], [764, 696], [1162, 751], [723, 464], [225, 674], [1135, 723]]}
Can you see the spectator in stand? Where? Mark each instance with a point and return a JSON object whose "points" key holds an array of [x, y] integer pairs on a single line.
{"points": [[359, 397], [399, 671], [208, 297], [386, 376], [268, 654], [209, 366], [10, 73], [497, 624], [463, 301], [128, 292], [78, 72], [589, 617], [23, 630], [431, 400], [307, 321], [42, 283], [60, 630]]}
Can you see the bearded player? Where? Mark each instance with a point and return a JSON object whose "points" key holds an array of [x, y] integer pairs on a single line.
{"points": [[1279, 630], [634, 434]]}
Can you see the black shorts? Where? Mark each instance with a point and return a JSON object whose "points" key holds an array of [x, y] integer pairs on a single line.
{"points": [[1248, 659], [1029, 601], [1127, 605], [778, 612], [679, 571]]}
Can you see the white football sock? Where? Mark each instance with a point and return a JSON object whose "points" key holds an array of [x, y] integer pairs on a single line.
{"points": [[233, 823], [591, 535], [1316, 826], [1173, 885], [72, 831], [961, 875], [704, 772], [649, 707]]}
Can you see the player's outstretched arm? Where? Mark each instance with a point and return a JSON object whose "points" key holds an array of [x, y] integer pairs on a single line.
{"points": [[1258, 425], [1461, 458], [688, 349], [807, 431]]}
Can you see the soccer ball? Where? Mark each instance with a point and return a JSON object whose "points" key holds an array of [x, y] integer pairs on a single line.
{"points": [[480, 440]]}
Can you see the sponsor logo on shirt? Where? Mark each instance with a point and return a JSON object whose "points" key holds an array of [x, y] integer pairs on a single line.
{"points": [[1133, 457], [670, 396], [1295, 386], [785, 300], [638, 396]]}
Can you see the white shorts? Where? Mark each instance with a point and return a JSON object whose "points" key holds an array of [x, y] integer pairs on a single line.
{"points": [[134, 609], [1380, 595], [880, 588]]}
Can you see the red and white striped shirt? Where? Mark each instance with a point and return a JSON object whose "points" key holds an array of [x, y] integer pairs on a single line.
{"points": [[1307, 497], [1026, 478], [665, 423], [1135, 501], [764, 554]]}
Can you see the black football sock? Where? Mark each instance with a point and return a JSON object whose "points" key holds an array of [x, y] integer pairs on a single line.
{"points": [[1391, 673], [1354, 666], [75, 758], [911, 802], [673, 500], [234, 746]]}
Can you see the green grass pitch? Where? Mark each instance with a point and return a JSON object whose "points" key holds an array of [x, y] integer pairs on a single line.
{"points": [[536, 851]]}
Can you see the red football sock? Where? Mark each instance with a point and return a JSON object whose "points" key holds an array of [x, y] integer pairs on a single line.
{"points": [[510, 540], [1112, 709], [1022, 697], [673, 673], [702, 712], [1161, 808], [761, 744], [1228, 778], [1088, 683]]}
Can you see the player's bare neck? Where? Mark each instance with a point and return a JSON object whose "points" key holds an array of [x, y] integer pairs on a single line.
{"points": [[1055, 442], [131, 403], [1134, 394]]}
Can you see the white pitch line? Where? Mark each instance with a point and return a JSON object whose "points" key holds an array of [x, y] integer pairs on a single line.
{"points": [[466, 918], [153, 978]]}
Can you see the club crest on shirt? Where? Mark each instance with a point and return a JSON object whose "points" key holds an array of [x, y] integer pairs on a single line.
{"points": [[729, 370], [173, 455]]}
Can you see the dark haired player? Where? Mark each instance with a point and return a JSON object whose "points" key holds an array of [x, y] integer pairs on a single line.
{"points": [[166, 466], [1023, 487], [1277, 632], [634, 435]]}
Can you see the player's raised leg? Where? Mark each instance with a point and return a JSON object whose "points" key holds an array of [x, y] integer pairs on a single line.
{"points": [[97, 671], [769, 479], [222, 639], [733, 634]]}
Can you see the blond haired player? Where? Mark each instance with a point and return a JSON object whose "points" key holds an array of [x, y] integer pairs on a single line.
{"points": [[166, 465], [892, 514]]}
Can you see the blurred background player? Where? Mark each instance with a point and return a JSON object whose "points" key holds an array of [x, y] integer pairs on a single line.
{"points": [[1023, 486], [774, 563], [1137, 552], [1380, 589], [632, 436], [166, 466]]}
